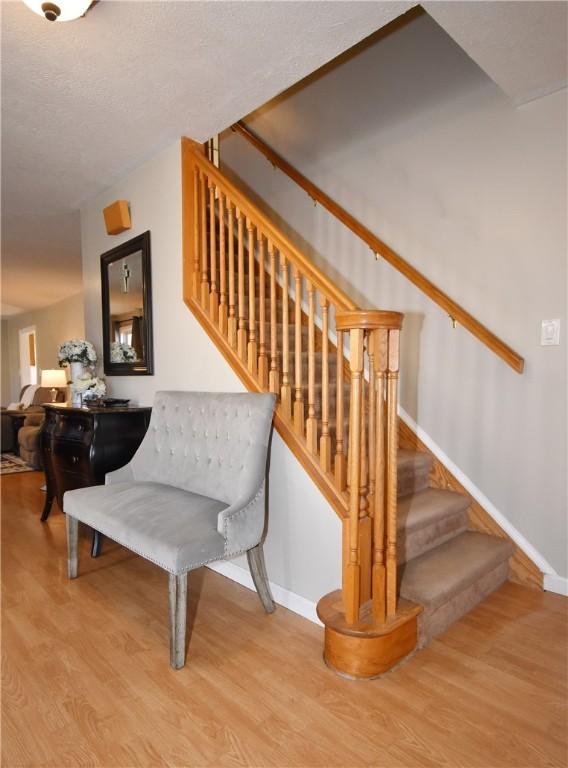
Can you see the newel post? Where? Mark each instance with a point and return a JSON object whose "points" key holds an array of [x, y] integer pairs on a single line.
{"points": [[191, 205], [366, 630]]}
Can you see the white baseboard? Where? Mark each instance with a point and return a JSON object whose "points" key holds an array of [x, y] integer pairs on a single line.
{"points": [[296, 603], [554, 583], [489, 507]]}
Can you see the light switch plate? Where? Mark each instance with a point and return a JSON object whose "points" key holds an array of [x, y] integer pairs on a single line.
{"points": [[550, 333]]}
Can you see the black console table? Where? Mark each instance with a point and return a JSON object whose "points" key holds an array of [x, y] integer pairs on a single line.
{"points": [[80, 445]]}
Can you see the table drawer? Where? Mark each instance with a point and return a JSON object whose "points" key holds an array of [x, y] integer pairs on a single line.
{"points": [[75, 427], [72, 456]]}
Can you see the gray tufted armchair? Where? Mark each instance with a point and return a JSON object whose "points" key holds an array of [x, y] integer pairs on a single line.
{"points": [[192, 494]]}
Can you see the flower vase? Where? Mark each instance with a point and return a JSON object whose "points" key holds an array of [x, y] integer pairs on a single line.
{"points": [[76, 370]]}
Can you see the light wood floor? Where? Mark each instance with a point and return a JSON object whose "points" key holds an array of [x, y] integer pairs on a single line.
{"points": [[86, 679]]}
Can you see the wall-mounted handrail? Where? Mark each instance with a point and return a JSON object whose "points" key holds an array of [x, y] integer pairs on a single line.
{"points": [[456, 313]]}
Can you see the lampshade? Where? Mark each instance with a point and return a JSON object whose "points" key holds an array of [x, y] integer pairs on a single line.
{"points": [[53, 378], [59, 10]]}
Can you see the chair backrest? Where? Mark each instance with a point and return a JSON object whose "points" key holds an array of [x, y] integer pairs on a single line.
{"points": [[214, 444]]}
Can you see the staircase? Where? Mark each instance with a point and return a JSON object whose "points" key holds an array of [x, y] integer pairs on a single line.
{"points": [[411, 566], [442, 565]]}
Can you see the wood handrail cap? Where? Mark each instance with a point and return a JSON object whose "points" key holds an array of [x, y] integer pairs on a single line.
{"points": [[368, 320]]}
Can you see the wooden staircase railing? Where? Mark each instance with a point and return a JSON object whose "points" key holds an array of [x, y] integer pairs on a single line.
{"points": [[286, 328], [454, 310]]}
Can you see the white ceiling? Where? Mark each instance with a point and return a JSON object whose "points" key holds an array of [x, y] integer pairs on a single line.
{"points": [[85, 102], [520, 45]]}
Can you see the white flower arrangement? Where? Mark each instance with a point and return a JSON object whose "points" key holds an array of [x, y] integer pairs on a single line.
{"points": [[76, 351], [90, 387], [122, 353]]}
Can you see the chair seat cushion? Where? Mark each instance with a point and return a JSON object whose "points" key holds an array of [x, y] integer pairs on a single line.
{"points": [[173, 528]]}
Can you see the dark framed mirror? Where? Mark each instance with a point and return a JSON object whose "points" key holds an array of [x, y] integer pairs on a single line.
{"points": [[126, 285]]}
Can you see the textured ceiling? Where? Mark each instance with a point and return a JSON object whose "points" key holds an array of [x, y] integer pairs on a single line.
{"points": [[520, 45], [84, 102]]}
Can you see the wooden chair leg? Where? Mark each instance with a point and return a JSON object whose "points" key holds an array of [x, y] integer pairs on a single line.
{"points": [[96, 544], [46, 507], [178, 612], [255, 557], [72, 526]]}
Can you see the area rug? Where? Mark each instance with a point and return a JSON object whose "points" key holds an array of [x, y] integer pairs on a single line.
{"points": [[10, 463]]}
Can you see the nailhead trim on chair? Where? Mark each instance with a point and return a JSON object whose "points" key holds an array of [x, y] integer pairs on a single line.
{"points": [[198, 563], [238, 512]]}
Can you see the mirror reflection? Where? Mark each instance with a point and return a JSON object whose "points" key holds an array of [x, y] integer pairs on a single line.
{"points": [[127, 308]]}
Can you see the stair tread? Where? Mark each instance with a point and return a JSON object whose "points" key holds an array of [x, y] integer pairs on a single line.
{"points": [[436, 576], [411, 460], [428, 507]]}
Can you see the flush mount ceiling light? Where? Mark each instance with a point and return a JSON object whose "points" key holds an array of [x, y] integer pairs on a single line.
{"points": [[62, 10]]}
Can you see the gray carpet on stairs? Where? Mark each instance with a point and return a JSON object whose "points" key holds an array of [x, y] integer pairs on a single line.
{"points": [[451, 578]]}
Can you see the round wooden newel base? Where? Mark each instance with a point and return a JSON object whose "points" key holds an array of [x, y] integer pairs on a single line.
{"points": [[366, 649]]}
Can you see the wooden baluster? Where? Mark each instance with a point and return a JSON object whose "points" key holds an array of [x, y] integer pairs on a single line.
{"points": [[273, 383], [213, 296], [232, 320], [298, 395], [363, 486], [380, 360], [372, 425], [262, 358], [340, 463], [196, 235], [242, 328], [392, 451], [311, 421], [352, 594], [365, 530], [367, 536], [251, 349], [204, 259], [325, 440], [286, 390], [223, 310]]}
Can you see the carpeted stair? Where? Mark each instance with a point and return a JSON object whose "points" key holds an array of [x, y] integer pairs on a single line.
{"points": [[442, 565]]}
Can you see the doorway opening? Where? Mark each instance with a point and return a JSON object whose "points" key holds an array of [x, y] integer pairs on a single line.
{"points": [[28, 356]]}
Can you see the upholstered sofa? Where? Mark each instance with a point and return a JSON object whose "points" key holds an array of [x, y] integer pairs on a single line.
{"points": [[28, 440], [10, 436]]}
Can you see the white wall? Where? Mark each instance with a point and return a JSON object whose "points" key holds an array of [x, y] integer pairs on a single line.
{"points": [[416, 141], [303, 547], [54, 324]]}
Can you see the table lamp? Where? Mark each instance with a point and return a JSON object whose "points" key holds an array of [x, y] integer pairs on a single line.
{"points": [[53, 378]]}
